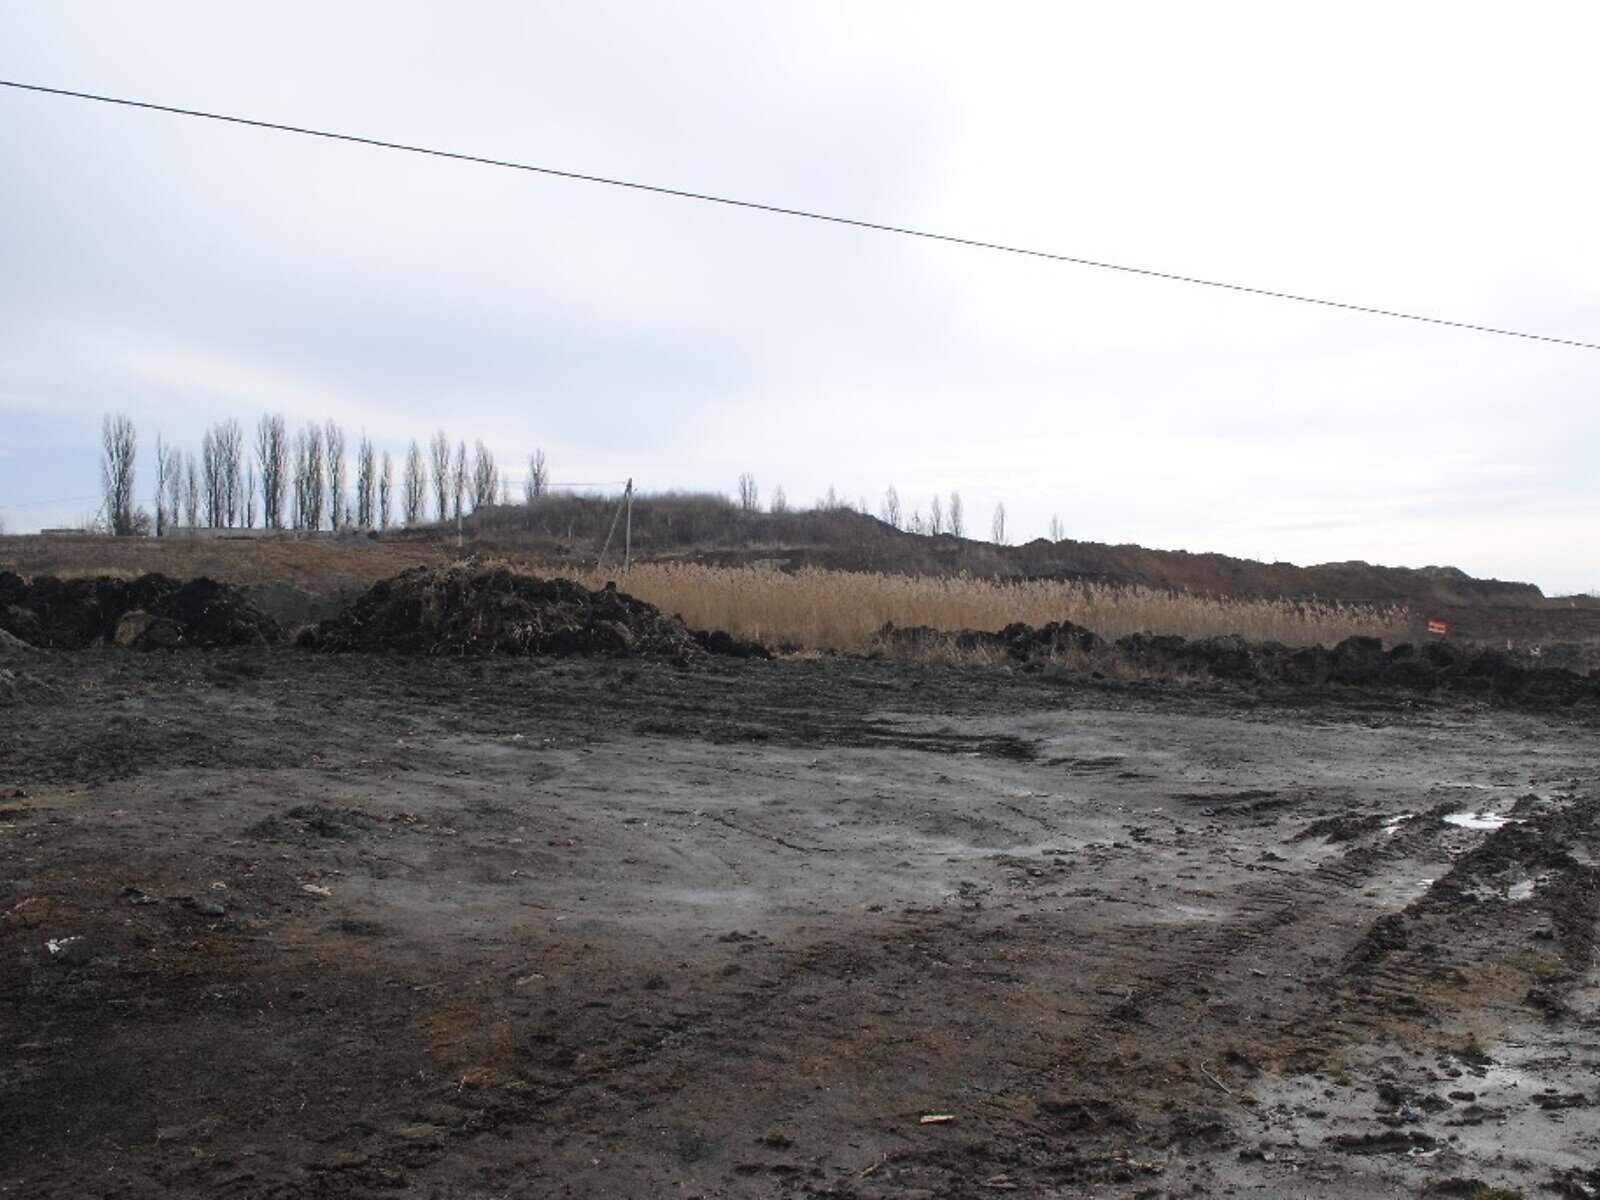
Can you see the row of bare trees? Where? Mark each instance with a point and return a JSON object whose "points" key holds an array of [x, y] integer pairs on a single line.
{"points": [[940, 517], [301, 480], [952, 519]]}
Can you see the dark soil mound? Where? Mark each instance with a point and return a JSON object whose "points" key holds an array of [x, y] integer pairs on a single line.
{"points": [[1021, 642], [1024, 641], [1357, 662], [477, 611], [1363, 662], [148, 612], [718, 641]]}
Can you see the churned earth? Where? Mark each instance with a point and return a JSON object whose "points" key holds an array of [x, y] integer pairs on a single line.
{"points": [[282, 924]]}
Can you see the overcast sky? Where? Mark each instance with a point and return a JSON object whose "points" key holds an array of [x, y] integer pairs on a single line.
{"points": [[1434, 158]]}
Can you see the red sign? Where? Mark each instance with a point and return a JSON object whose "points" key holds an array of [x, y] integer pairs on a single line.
{"points": [[1438, 627]]}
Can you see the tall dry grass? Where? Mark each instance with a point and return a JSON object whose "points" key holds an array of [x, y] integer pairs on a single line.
{"points": [[817, 609], [842, 610]]}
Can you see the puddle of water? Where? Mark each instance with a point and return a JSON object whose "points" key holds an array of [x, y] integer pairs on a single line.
{"points": [[1480, 820], [1392, 825], [1197, 912]]}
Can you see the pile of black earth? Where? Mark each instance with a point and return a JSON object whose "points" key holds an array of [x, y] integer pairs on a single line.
{"points": [[1357, 662], [472, 610], [147, 613]]}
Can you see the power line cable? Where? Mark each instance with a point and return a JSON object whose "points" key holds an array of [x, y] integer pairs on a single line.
{"points": [[779, 210]]}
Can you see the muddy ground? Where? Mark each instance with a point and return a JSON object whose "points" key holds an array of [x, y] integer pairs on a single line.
{"points": [[275, 924]]}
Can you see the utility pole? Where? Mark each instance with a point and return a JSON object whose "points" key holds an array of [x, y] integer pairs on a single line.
{"points": [[627, 530], [623, 505]]}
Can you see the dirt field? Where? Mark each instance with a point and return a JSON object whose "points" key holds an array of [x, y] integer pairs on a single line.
{"points": [[276, 924]]}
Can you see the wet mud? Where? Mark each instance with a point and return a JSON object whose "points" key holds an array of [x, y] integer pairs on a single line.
{"points": [[280, 924]]}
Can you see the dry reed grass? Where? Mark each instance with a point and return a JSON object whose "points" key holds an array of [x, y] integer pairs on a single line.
{"points": [[810, 609], [843, 610]]}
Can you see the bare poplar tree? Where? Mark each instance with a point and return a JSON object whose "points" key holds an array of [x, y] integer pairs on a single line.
{"points": [[935, 517], [163, 483], [272, 460], [538, 481], [749, 494], [221, 452], [299, 504], [116, 472], [191, 492], [891, 506], [335, 476], [230, 443], [308, 478], [175, 488], [439, 454], [385, 491], [230, 450], [957, 525], [249, 509], [485, 476], [413, 485], [998, 527], [779, 502], [316, 479], [458, 481], [366, 483], [211, 477]]}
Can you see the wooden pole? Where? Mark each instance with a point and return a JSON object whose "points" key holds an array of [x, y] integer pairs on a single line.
{"points": [[627, 531], [611, 532]]}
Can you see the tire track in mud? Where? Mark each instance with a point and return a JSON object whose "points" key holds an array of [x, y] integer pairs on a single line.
{"points": [[1273, 909], [1465, 943], [654, 1073], [642, 1079], [858, 994]]}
